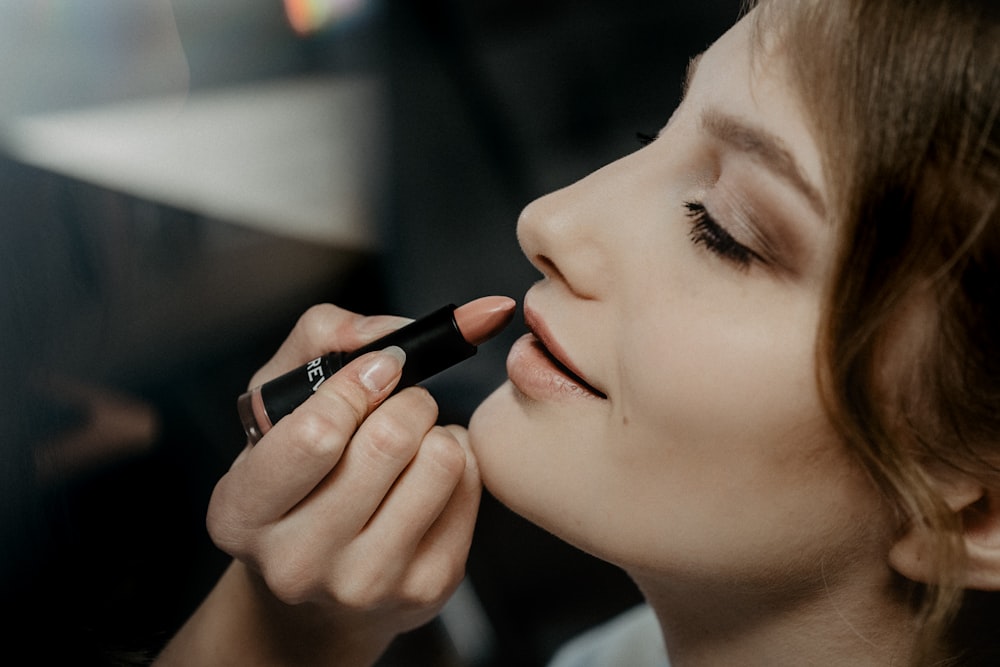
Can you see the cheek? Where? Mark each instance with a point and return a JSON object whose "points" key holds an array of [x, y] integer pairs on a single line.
{"points": [[717, 396], [706, 366], [723, 437]]}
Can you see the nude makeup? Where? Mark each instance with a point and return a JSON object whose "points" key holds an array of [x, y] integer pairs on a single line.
{"points": [[432, 344], [540, 368]]}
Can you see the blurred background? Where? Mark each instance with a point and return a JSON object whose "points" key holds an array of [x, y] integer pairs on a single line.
{"points": [[180, 179]]}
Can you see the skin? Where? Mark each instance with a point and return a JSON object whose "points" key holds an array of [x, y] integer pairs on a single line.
{"points": [[349, 522], [702, 461], [709, 471]]}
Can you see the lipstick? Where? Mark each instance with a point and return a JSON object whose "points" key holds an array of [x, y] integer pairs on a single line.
{"points": [[432, 344]]}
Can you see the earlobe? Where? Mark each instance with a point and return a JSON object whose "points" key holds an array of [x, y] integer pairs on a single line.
{"points": [[978, 511]]}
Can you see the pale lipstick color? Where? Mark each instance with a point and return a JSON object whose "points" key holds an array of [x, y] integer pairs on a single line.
{"points": [[484, 318]]}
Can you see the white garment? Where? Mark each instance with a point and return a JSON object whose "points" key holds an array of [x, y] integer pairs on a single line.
{"points": [[631, 639]]}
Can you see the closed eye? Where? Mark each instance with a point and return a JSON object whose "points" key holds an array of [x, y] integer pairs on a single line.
{"points": [[709, 234]]}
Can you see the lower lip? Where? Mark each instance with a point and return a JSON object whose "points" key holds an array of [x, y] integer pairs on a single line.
{"points": [[535, 376]]}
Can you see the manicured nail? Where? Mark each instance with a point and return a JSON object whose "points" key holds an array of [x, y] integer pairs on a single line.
{"points": [[384, 366]]}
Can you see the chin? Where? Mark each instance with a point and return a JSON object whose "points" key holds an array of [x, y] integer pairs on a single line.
{"points": [[487, 433], [499, 440], [516, 459]]}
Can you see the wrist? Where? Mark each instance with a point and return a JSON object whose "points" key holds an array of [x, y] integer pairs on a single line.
{"points": [[242, 623], [307, 633]]}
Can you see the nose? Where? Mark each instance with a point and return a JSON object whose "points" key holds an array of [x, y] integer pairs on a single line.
{"points": [[567, 236]]}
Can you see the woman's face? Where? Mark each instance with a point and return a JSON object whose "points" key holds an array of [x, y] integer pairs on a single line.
{"points": [[683, 285]]}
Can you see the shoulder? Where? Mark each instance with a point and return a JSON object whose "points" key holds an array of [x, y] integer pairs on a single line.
{"points": [[631, 639]]}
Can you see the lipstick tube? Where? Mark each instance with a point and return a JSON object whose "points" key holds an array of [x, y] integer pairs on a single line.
{"points": [[432, 343]]}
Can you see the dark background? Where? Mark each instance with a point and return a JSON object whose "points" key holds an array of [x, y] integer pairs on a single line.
{"points": [[489, 104]]}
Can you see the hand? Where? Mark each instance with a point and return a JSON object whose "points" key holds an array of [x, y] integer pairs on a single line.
{"points": [[351, 519]]}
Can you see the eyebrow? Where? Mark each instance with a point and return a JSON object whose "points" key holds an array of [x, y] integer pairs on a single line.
{"points": [[760, 144], [766, 148]]}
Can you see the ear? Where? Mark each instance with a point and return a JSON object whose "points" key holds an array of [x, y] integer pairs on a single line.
{"points": [[978, 510]]}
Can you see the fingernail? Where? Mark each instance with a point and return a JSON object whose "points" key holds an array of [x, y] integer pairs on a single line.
{"points": [[382, 368]]}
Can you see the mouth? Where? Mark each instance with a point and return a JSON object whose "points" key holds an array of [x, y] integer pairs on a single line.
{"points": [[553, 353], [571, 375]]}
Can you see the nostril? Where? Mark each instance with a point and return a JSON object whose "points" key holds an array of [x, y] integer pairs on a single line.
{"points": [[548, 268]]}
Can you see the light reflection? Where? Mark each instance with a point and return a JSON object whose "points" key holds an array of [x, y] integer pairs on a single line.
{"points": [[308, 17]]}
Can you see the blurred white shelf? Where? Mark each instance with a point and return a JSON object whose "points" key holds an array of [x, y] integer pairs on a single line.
{"points": [[300, 158]]}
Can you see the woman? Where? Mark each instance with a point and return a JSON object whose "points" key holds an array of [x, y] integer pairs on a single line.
{"points": [[760, 379]]}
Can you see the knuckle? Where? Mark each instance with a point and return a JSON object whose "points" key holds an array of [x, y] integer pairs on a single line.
{"points": [[221, 530], [419, 400], [390, 438], [362, 591], [344, 400], [287, 577], [319, 323], [353, 597], [441, 447], [422, 594], [228, 527], [432, 585], [318, 435]]}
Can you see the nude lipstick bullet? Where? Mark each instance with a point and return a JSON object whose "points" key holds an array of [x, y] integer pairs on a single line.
{"points": [[432, 344]]}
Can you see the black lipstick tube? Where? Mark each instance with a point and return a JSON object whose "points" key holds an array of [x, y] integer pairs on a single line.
{"points": [[432, 344]]}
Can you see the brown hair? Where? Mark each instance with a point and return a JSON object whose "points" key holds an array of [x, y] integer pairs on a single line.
{"points": [[904, 96]]}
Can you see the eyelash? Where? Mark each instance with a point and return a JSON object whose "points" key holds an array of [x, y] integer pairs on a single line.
{"points": [[705, 231], [644, 139]]}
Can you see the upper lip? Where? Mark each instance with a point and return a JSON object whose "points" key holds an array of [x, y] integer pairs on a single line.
{"points": [[538, 327]]}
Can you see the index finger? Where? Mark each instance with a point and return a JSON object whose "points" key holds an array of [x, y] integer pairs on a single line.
{"points": [[321, 329], [300, 450]]}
